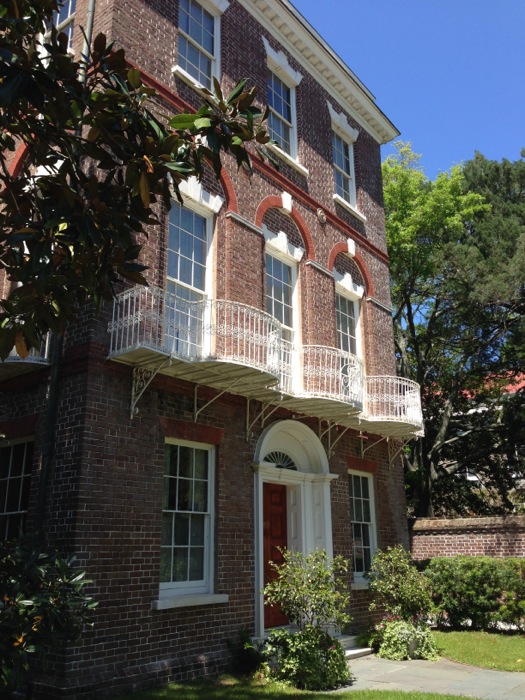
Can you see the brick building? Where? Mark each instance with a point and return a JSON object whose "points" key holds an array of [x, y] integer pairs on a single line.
{"points": [[247, 398]]}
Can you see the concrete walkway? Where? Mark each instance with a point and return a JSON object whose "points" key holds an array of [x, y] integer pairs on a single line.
{"points": [[443, 676]]}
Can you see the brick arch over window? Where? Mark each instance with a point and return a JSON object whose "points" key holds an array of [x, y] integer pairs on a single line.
{"points": [[358, 262], [272, 208]]}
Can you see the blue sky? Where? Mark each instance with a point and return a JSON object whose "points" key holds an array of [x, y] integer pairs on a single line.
{"points": [[450, 74]]}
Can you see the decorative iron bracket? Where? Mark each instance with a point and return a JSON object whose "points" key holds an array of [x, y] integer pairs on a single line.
{"points": [[328, 432], [395, 447], [262, 415], [196, 410], [364, 450], [142, 378]]}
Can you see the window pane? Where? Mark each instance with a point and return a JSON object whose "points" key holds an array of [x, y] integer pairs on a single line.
{"points": [[184, 542], [182, 530]]}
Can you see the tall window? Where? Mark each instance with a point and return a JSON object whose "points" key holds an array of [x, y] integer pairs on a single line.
{"points": [[362, 517], [279, 294], [186, 545], [187, 253], [346, 316], [343, 154], [281, 117], [64, 20], [16, 462], [197, 45]]}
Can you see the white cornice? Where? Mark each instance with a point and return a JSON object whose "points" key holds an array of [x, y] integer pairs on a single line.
{"points": [[291, 29]]}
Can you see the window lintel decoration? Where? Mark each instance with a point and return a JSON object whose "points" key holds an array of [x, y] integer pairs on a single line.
{"points": [[216, 7], [346, 283], [279, 243], [193, 190], [341, 126], [278, 64]]}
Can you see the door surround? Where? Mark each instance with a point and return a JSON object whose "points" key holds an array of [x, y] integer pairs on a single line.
{"points": [[308, 495]]}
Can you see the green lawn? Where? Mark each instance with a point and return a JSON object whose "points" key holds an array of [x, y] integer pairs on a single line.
{"points": [[228, 688], [503, 652]]}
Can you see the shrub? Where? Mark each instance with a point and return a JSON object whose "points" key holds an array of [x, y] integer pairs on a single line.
{"points": [[397, 586], [467, 590], [310, 590], [309, 659], [400, 639], [313, 596], [512, 608], [42, 605]]}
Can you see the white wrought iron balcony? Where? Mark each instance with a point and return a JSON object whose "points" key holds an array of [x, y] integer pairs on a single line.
{"points": [[14, 365], [219, 343], [233, 347], [323, 381], [392, 407]]}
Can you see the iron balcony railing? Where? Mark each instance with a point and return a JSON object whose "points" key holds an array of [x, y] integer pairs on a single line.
{"points": [[147, 317], [332, 374], [232, 332], [393, 399]]}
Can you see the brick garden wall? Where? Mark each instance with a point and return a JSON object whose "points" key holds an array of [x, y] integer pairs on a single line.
{"points": [[492, 537]]}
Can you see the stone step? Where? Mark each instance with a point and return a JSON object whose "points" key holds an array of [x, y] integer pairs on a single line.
{"points": [[352, 650]]}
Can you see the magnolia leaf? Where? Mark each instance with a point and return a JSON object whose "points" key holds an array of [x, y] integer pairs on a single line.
{"points": [[20, 345], [134, 78], [144, 190], [183, 121]]}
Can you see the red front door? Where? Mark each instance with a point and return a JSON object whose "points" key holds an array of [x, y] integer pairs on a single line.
{"points": [[274, 515]]}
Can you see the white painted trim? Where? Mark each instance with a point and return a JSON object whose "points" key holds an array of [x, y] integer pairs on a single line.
{"points": [[293, 162], [359, 581], [278, 244], [278, 64], [215, 7], [200, 199], [341, 126], [187, 601], [346, 286], [339, 200], [310, 50]]}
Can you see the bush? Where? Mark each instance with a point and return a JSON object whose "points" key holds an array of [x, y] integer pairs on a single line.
{"points": [[400, 639], [42, 606], [512, 608], [309, 659], [397, 586], [312, 594], [467, 590], [310, 590]]}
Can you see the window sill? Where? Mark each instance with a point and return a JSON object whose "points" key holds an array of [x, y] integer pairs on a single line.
{"points": [[339, 200], [187, 601], [187, 78], [289, 160]]}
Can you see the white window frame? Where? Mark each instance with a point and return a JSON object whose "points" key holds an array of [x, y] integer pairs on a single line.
{"points": [[348, 135], [279, 247], [346, 287], [20, 513], [201, 202], [279, 66], [188, 593], [215, 8], [359, 580]]}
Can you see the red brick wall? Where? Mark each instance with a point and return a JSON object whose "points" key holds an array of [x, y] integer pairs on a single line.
{"points": [[491, 537]]}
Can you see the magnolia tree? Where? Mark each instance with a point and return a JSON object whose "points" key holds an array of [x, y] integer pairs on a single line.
{"points": [[97, 156]]}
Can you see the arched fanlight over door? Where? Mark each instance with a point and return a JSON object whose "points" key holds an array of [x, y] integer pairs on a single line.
{"points": [[281, 460]]}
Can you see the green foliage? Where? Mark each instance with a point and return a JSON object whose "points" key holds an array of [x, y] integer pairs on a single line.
{"points": [[500, 651], [43, 605], [309, 659], [312, 594], [512, 607], [397, 586], [456, 248], [93, 133], [399, 639], [467, 590], [247, 656], [310, 589]]}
